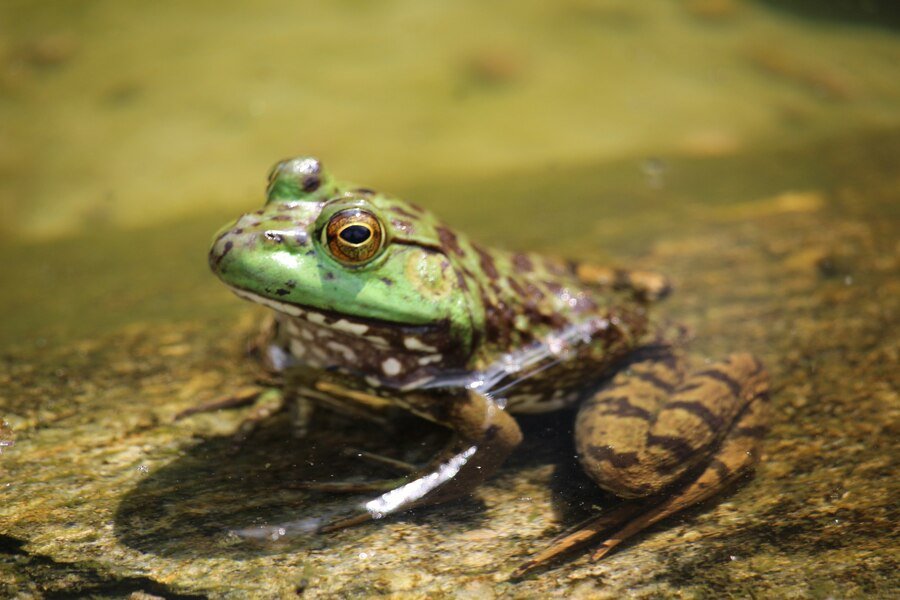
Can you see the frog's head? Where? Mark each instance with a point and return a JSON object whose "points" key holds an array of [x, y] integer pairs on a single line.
{"points": [[320, 249]]}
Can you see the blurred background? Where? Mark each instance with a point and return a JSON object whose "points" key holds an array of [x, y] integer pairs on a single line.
{"points": [[133, 113]]}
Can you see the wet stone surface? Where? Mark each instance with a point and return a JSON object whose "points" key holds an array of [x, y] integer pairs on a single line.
{"points": [[104, 494]]}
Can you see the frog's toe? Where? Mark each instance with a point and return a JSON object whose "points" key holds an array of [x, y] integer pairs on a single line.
{"points": [[243, 397], [578, 537], [349, 487], [393, 464]]}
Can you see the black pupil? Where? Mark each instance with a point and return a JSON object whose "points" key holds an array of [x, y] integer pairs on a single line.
{"points": [[355, 234]]}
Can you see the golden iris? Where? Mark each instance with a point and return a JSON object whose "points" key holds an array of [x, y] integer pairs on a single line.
{"points": [[353, 236]]}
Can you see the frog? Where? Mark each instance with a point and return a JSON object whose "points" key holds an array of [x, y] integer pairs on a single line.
{"points": [[377, 305]]}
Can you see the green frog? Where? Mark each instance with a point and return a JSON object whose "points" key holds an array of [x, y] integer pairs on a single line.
{"points": [[378, 305]]}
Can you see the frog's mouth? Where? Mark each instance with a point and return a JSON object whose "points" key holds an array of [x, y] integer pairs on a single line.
{"points": [[352, 324]]}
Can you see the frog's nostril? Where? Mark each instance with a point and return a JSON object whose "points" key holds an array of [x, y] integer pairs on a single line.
{"points": [[311, 183]]}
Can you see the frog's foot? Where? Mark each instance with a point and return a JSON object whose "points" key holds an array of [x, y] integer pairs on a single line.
{"points": [[644, 285], [485, 435], [657, 432]]}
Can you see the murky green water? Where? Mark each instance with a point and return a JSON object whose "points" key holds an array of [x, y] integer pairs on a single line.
{"points": [[748, 152]]}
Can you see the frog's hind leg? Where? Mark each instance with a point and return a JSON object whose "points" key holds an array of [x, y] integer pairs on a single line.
{"points": [[653, 428], [648, 428], [736, 456]]}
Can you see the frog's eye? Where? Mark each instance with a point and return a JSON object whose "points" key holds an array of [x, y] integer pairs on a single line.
{"points": [[353, 236]]}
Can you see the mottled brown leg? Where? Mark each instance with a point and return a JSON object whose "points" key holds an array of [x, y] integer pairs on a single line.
{"points": [[644, 432], [736, 456]]}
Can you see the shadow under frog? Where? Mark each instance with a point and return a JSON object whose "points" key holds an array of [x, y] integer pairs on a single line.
{"points": [[193, 506]]}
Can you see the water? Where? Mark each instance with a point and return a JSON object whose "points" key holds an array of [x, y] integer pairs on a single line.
{"points": [[747, 151]]}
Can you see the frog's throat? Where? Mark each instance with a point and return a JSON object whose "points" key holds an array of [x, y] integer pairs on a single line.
{"points": [[325, 317]]}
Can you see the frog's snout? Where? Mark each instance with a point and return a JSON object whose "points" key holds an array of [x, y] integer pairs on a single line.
{"points": [[220, 248]]}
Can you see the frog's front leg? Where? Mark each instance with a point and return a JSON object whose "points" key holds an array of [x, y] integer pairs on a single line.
{"points": [[484, 436], [667, 439]]}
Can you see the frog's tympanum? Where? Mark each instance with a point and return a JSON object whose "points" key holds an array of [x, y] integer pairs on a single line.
{"points": [[378, 304]]}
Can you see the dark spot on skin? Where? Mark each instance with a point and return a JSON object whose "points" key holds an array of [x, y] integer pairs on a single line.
{"points": [[720, 468], [522, 263], [660, 354], [487, 263], [449, 241], [259, 212], [654, 380], [621, 460], [387, 281], [290, 284], [237, 231], [328, 275], [699, 410], [534, 291], [493, 322], [310, 253], [275, 237], [620, 406], [733, 385], [516, 287], [281, 218], [678, 447], [463, 284], [365, 191], [690, 387], [215, 260], [757, 431], [301, 237], [311, 183], [282, 292]]}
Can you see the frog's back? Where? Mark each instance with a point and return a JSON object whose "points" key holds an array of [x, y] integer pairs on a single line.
{"points": [[539, 311]]}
